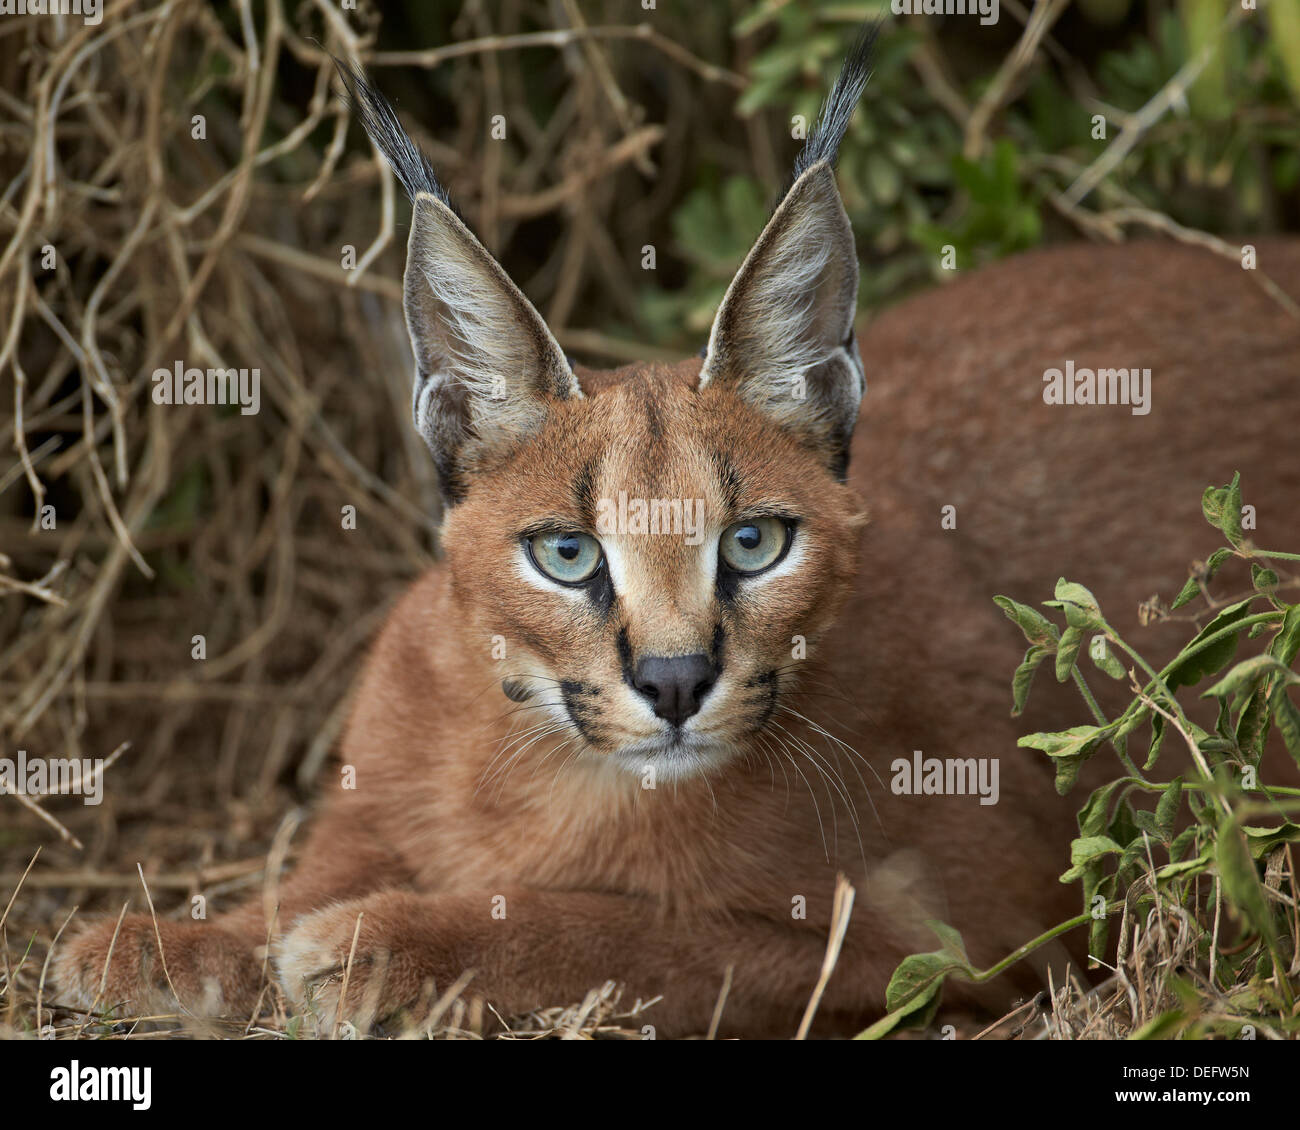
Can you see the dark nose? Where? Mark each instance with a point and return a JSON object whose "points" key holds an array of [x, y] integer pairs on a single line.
{"points": [[675, 684]]}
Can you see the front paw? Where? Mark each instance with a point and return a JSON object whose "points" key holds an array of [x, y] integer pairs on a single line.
{"points": [[211, 972], [400, 963]]}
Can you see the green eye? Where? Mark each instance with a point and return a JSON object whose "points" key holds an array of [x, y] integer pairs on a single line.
{"points": [[754, 545], [568, 558]]}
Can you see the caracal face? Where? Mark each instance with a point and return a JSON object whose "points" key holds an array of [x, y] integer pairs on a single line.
{"points": [[655, 560]]}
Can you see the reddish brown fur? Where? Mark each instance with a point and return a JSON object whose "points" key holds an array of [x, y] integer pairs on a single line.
{"points": [[664, 889]]}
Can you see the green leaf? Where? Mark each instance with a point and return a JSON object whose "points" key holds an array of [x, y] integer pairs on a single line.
{"points": [[1190, 591], [1093, 815], [1287, 719], [1261, 841], [1086, 849], [1089, 847], [1189, 670], [1157, 739], [1067, 773], [1100, 653], [1185, 867], [1247, 675], [1067, 651], [1217, 558], [1130, 720], [913, 991], [950, 939], [1167, 809], [1286, 643], [1123, 827], [1240, 880], [1065, 743], [1222, 508], [1145, 822], [1181, 841], [1069, 748], [1038, 628], [917, 980], [1135, 852], [1252, 724], [1024, 677], [1080, 606], [1098, 928], [1265, 580], [1223, 724]]}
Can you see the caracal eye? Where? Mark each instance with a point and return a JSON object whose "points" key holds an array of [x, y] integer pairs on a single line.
{"points": [[754, 545], [568, 558]]}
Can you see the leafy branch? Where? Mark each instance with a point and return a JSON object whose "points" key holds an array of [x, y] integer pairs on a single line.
{"points": [[1201, 817]]}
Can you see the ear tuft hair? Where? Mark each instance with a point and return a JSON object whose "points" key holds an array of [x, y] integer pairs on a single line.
{"points": [[376, 115], [823, 143]]}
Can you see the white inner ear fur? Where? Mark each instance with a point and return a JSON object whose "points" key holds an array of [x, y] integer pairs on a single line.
{"points": [[474, 334], [790, 310]]}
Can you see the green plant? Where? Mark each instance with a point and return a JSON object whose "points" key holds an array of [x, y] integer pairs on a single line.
{"points": [[1215, 823], [1224, 159]]}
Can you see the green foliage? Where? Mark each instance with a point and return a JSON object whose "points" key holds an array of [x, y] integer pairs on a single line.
{"points": [[1223, 160], [1001, 213], [1146, 843]]}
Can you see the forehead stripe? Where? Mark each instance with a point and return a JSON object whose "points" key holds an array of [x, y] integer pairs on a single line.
{"points": [[584, 492], [729, 478]]}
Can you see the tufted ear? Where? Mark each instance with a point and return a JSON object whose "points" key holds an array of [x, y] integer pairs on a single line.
{"points": [[783, 336], [486, 366]]}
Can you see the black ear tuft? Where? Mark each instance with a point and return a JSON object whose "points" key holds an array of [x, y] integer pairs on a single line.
{"points": [[375, 114], [823, 143]]}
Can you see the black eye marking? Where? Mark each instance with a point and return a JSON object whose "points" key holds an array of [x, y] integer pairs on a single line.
{"points": [[715, 646], [625, 656], [580, 713], [601, 591]]}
